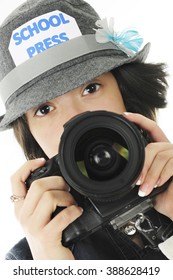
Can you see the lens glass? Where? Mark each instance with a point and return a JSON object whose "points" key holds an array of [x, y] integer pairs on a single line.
{"points": [[101, 154]]}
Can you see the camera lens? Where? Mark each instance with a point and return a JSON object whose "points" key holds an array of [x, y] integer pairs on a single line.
{"points": [[101, 155], [101, 158], [105, 162]]}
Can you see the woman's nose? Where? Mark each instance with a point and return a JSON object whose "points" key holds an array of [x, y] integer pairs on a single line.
{"points": [[73, 109]]}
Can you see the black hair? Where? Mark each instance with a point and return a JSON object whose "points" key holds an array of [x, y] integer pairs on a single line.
{"points": [[143, 87], [26, 140]]}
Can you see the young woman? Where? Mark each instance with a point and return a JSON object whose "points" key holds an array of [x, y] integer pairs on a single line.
{"points": [[71, 62]]}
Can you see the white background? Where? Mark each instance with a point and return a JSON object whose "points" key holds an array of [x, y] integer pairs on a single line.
{"points": [[153, 18]]}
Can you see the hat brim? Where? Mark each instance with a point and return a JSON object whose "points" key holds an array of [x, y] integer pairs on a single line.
{"points": [[60, 80]]}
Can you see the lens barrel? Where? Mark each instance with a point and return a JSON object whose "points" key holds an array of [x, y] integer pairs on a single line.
{"points": [[101, 155]]}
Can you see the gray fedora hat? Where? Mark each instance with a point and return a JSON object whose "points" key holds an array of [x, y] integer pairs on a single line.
{"points": [[49, 47]]}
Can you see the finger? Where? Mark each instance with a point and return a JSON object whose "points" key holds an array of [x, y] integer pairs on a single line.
{"points": [[38, 188], [155, 167], [47, 204], [159, 152], [163, 202], [62, 220], [167, 172], [149, 125], [18, 180]]}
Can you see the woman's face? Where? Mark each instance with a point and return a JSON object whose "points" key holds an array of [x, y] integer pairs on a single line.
{"points": [[46, 121]]}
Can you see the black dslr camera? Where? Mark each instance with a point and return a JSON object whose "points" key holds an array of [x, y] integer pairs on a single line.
{"points": [[101, 155]]}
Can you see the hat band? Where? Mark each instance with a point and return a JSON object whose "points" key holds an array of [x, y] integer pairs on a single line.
{"points": [[49, 59]]}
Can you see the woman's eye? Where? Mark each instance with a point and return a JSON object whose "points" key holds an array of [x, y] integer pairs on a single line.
{"points": [[44, 110], [91, 88]]}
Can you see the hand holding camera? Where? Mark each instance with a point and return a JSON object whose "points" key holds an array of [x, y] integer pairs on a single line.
{"points": [[101, 155]]}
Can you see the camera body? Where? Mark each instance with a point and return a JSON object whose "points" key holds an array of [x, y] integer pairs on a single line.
{"points": [[101, 155]]}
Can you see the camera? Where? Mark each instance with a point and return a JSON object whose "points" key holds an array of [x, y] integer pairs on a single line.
{"points": [[101, 155]]}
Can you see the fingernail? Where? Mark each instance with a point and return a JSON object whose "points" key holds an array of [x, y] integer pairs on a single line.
{"points": [[141, 194], [81, 209], [126, 113], [143, 190], [41, 159], [138, 183], [158, 183]]}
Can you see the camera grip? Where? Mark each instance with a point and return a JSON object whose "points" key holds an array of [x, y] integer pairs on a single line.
{"points": [[51, 168], [87, 223]]}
